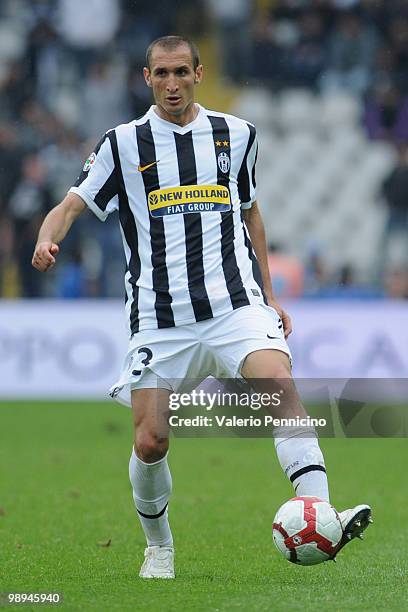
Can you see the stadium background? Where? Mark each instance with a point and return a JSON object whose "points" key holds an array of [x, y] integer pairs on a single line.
{"points": [[326, 83]]}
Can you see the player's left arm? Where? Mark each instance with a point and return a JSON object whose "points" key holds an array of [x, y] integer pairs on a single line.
{"points": [[256, 231]]}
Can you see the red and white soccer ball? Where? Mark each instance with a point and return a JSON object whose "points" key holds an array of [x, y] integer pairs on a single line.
{"points": [[307, 530]]}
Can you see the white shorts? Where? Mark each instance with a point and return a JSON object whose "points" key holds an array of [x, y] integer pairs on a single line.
{"points": [[179, 358]]}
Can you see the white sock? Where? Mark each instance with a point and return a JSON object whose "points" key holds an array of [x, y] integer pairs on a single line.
{"points": [[302, 460], [151, 483]]}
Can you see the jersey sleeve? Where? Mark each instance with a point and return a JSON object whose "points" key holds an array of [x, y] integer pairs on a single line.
{"points": [[97, 184], [246, 175]]}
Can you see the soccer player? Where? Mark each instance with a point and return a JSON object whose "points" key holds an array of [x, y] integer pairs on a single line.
{"points": [[199, 299]]}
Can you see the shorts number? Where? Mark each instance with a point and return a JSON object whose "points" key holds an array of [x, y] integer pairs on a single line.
{"points": [[145, 361]]}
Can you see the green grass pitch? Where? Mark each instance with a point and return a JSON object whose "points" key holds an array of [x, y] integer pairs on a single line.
{"points": [[64, 491]]}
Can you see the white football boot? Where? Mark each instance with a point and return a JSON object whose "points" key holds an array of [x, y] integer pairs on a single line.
{"points": [[158, 562], [354, 521]]}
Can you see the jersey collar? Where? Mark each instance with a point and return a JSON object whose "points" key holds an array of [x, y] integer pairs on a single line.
{"points": [[173, 127]]}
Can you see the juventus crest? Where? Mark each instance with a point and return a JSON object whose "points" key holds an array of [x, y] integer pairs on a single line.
{"points": [[224, 162]]}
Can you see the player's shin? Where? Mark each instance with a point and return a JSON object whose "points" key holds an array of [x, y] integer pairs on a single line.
{"points": [[152, 484], [302, 460]]}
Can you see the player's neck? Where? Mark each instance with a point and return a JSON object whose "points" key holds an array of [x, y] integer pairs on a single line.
{"points": [[185, 118]]}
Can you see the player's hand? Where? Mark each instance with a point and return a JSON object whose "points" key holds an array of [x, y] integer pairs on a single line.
{"points": [[44, 255], [287, 323]]}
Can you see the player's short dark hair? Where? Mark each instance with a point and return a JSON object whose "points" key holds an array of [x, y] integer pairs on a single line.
{"points": [[170, 43]]}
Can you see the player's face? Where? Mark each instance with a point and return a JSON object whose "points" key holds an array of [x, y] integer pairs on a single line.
{"points": [[172, 78]]}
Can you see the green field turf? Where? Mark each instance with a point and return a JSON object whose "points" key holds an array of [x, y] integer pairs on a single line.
{"points": [[64, 491]]}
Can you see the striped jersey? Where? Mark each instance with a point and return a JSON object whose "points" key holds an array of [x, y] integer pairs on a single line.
{"points": [[179, 192]]}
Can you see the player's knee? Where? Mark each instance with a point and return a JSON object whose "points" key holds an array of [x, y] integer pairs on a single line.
{"points": [[151, 447]]}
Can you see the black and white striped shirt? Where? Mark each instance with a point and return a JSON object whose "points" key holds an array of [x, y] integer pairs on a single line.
{"points": [[180, 192]]}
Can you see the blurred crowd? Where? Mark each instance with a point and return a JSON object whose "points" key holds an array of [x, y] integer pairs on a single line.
{"points": [[357, 46], [63, 83]]}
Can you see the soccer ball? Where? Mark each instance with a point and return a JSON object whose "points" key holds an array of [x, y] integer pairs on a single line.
{"points": [[307, 530]]}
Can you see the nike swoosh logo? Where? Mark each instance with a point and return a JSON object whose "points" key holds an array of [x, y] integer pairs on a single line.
{"points": [[272, 337], [143, 168]]}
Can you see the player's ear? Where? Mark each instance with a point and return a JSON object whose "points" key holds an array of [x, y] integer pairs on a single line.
{"points": [[198, 74], [147, 76]]}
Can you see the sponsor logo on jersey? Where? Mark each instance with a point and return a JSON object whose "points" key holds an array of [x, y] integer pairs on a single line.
{"points": [[189, 199], [89, 162], [223, 162]]}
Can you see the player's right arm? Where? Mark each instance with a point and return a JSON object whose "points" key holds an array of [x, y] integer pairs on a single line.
{"points": [[54, 229]]}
